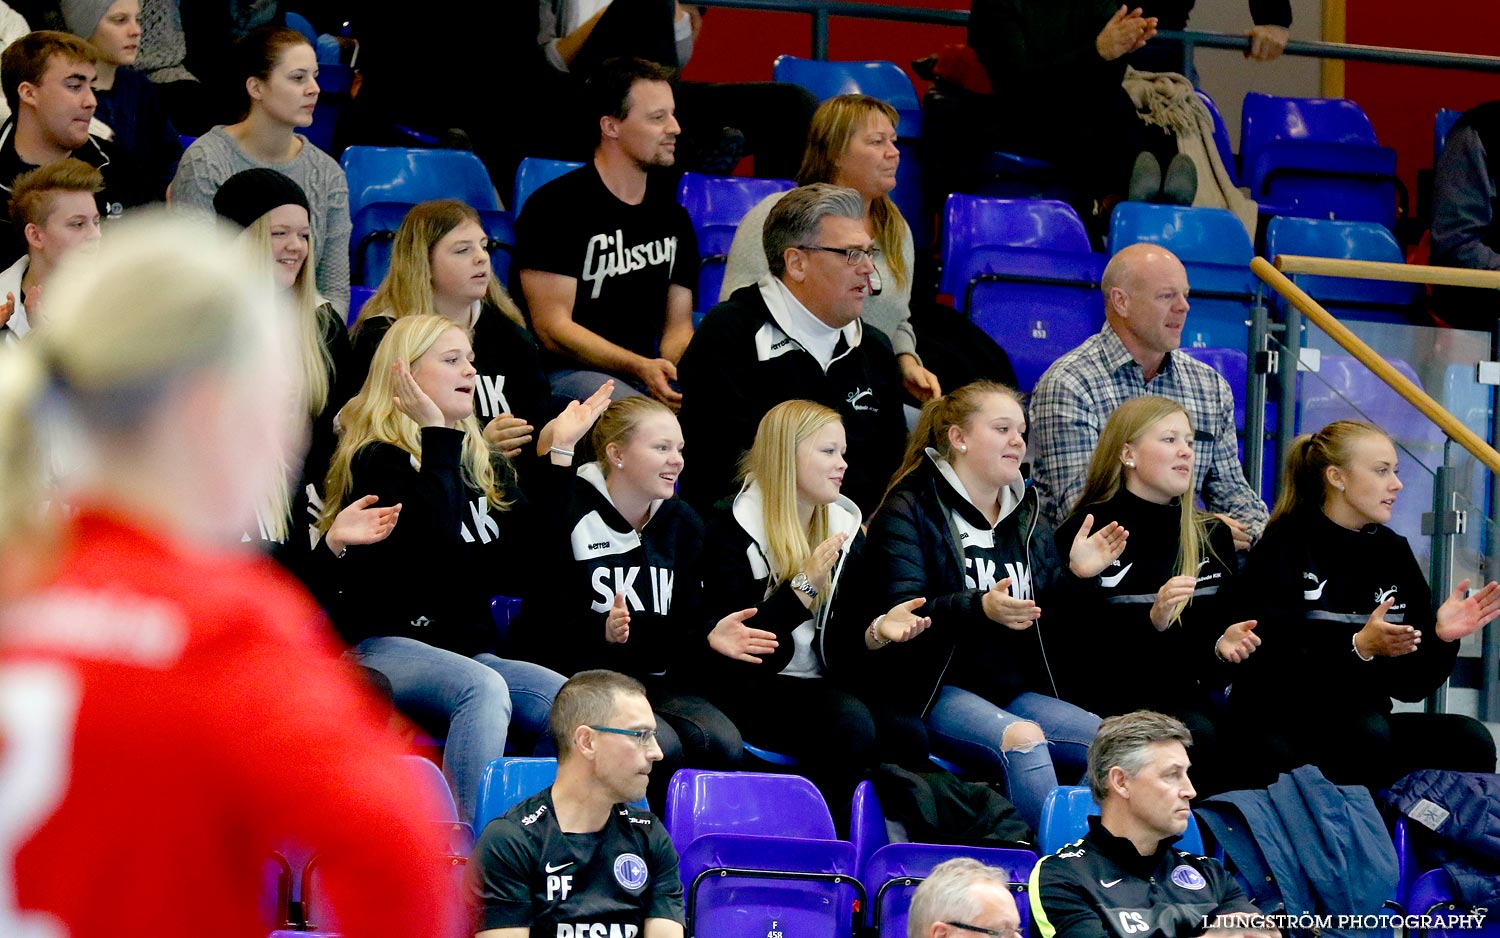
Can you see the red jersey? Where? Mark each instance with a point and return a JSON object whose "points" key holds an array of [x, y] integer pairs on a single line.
{"points": [[167, 718]]}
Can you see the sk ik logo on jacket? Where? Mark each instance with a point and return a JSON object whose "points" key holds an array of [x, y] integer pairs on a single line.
{"points": [[592, 539], [488, 527], [489, 396]]}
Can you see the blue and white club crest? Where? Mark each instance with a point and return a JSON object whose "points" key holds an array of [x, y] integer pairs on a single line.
{"points": [[630, 871], [1184, 876]]}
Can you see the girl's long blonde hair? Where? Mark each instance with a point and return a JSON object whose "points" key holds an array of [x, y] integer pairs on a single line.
{"points": [[833, 128], [1307, 462], [1127, 425], [407, 287], [371, 416], [772, 464], [314, 359]]}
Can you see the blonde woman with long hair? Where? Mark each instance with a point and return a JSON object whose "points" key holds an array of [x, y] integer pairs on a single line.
{"points": [[773, 565], [416, 605], [960, 527], [440, 266], [1347, 622], [148, 661], [1161, 625], [852, 143]]}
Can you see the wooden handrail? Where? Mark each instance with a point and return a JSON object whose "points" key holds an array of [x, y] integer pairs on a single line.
{"points": [[1372, 360], [1377, 270]]}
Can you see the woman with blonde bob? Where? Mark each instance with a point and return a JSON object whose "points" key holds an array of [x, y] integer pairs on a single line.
{"points": [[146, 658], [961, 528], [440, 266], [1156, 632], [774, 562], [852, 143], [416, 605], [1347, 623], [624, 565]]}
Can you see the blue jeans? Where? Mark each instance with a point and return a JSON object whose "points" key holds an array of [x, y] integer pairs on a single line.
{"points": [[576, 384], [968, 729], [473, 700]]}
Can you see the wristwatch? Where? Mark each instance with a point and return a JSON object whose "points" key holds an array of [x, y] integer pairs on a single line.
{"points": [[802, 584]]}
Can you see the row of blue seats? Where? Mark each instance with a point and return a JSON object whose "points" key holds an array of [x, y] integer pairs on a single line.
{"points": [[777, 836]]}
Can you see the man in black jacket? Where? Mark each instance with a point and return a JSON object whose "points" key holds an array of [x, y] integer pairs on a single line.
{"points": [[796, 334], [1125, 879]]}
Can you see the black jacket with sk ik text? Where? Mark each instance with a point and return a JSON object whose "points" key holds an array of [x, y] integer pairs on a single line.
{"points": [[1121, 662], [451, 551], [741, 363], [1101, 887], [914, 550], [593, 553], [1312, 585]]}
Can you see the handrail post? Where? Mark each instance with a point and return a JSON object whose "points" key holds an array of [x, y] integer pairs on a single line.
{"points": [[1286, 380], [1489, 642], [1255, 392], [820, 32], [1444, 524]]}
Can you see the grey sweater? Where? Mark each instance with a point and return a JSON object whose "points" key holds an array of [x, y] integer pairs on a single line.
{"points": [[215, 156], [890, 312]]}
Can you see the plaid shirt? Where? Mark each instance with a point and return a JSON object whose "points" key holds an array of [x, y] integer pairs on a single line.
{"points": [[1081, 389]]}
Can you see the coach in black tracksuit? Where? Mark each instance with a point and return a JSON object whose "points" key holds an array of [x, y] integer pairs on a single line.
{"points": [[795, 334]]}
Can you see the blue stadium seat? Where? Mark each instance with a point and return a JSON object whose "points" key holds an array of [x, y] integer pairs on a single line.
{"points": [[1065, 816], [373, 231], [335, 81], [1023, 271], [1344, 389], [1317, 158], [1233, 364], [1442, 126], [1346, 297], [400, 174], [358, 297], [1221, 137], [883, 80], [908, 198], [716, 204], [300, 23], [1216, 250], [535, 172], [503, 611], [507, 782]]}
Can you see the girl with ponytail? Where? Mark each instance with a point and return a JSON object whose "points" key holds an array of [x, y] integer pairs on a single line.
{"points": [[1347, 622], [959, 527]]}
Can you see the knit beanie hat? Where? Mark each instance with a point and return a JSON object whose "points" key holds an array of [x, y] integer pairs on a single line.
{"points": [[247, 195], [83, 16]]}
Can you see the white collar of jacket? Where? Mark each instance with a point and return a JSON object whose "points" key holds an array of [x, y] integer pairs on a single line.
{"points": [[1010, 496], [9, 129], [749, 512], [593, 474], [775, 337]]}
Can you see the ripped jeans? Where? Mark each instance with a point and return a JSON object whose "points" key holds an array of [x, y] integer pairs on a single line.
{"points": [[968, 729]]}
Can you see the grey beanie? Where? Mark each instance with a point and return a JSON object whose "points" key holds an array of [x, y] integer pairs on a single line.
{"points": [[83, 16]]}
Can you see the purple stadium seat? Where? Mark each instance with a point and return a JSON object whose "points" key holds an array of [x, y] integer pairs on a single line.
{"points": [[894, 872], [1023, 271], [276, 893], [701, 802], [716, 204], [737, 884]]}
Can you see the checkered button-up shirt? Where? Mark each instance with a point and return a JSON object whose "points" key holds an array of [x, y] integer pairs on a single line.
{"points": [[1081, 389]]}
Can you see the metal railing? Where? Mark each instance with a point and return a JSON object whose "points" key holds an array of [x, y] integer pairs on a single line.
{"points": [[822, 11]]}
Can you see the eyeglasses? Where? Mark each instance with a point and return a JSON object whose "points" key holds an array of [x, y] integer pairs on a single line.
{"points": [[853, 256], [643, 738], [1012, 933]]}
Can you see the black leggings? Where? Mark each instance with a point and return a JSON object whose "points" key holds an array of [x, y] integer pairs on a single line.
{"points": [[693, 733], [1370, 749]]}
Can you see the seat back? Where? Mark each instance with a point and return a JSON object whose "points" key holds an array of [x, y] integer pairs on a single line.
{"points": [[535, 172], [358, 297], [971, 222], [716, 204], [1346, 297], [1216, 250], [894, 872], [1221, 137], [817, 898], [1065, 818], [1267, 117], [1233, 364], [373, 232], [503, 612], [702, 802], [508, 781], [883, 80], [1442, 126], [867, 829], [400, 174]]}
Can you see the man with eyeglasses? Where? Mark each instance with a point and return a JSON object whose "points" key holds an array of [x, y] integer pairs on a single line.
{"points": [[1126, 878], [963, 898], [796, 334], [577, 860]]}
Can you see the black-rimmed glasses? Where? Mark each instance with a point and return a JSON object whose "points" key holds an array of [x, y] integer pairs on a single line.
{"points": [[1012, 933], [644, 738], [853, 256]]}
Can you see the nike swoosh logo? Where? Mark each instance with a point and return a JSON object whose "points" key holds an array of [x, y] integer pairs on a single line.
{"points": [[1110, 582], [1110, 883], [1315, 594], [554, 869]]}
